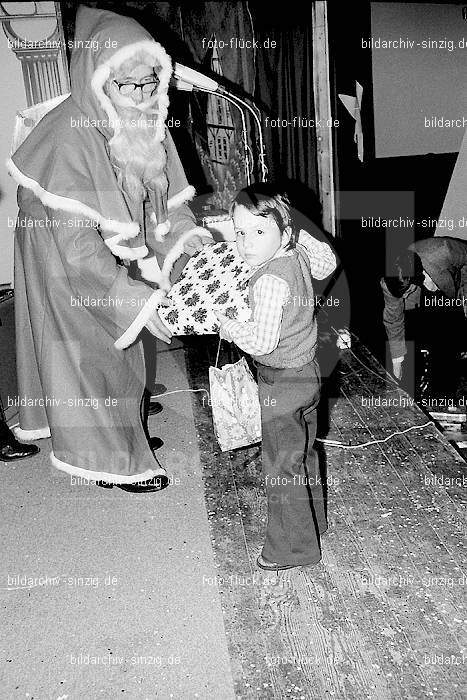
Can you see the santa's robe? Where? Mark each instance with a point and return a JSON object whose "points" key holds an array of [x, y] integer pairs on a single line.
{"points": [[81, 372]]}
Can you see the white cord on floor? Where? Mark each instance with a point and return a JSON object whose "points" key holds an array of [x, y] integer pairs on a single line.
{"points": [[331, 443], [334, 443], [178, 391]]}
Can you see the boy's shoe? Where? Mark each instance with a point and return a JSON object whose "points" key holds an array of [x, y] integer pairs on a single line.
{"points": [[273, 566]]}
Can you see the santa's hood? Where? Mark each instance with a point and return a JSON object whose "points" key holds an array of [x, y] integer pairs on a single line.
{"points": [[102, 42], [65, 159], [443, 259]]}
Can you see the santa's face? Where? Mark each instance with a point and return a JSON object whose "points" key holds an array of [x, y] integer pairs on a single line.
{"points": [[134, 87], [135, 148]]}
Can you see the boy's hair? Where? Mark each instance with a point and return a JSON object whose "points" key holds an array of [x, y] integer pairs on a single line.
{"points": [[266, 199], [405, 269]]}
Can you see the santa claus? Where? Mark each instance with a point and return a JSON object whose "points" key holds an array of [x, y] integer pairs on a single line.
{"points": [[101, 185]]}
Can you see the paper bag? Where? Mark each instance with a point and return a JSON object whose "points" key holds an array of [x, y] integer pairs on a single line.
{"points": [[236, 412]]}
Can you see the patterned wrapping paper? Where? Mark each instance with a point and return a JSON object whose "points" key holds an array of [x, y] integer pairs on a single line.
{"points": [[236, 412], [215, 279]]}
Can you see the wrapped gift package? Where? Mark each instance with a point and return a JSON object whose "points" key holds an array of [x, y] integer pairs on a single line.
{"points": [[215, 279], [220, 225]]}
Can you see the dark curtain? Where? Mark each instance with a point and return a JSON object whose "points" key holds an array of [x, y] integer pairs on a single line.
{"points": [[284, 84], [206, 25]]}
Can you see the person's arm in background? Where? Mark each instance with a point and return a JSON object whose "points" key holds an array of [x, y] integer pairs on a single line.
{"points": [[394, 323]]}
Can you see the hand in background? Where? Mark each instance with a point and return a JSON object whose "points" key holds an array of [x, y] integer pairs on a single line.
{"points": [[196, 243], [343, 341], [225, 335], [397, 367], [157, 327]]}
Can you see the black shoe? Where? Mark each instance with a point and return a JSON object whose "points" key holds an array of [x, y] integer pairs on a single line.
{"points": [[17, 450], [157, 483], [155, 443], [154, 408]]}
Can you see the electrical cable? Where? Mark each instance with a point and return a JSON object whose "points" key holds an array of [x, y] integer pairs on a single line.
{"points": [[325, 441], [254, 47], [387, 378], [334, 443], [178, 391]]}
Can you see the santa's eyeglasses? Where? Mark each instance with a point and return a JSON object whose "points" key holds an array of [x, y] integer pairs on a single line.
{"points": [[148, 89]]}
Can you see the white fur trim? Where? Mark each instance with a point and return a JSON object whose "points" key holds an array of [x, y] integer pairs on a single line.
{"points": [[134, 329], [160, 230], [150, 269], [90, 475], [101, 74], [176, 251], [38, 434], [124, 252], [185, 195], [55, 201]]}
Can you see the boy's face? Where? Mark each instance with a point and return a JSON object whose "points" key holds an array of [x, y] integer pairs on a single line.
{"points": [[258, 237]]}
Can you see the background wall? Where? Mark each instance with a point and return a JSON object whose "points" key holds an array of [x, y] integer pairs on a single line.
{"points": [[410, 84], [46, 77], [12, 98], [393, 180]]}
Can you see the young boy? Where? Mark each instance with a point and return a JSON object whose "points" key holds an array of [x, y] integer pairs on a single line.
{"points": [[281, 338]]}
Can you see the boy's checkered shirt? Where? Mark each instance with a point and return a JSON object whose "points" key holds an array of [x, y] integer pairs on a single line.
{"points": [[261, 335]]}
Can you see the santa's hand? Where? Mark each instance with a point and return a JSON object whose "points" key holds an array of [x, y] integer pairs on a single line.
{"points": [[196, 243], [224, 334], [157, 327]]}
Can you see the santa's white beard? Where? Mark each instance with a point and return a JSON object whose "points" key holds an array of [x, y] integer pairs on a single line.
{"points": [[138, 157]]}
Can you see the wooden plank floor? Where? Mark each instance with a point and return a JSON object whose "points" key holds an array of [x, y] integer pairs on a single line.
{"points": [[383, 614]]}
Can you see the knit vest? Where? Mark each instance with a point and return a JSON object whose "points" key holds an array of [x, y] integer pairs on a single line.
{"points": [[297, 342]]}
